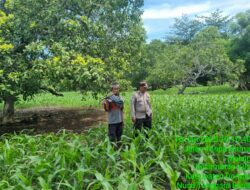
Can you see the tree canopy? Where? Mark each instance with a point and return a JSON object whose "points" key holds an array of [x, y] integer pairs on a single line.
{"points": [[200, 49], [240, 45], [204, 55], [53, 45]]}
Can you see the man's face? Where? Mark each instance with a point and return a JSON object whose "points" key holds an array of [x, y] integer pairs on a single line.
{"points": [[115, 90], [143, 88]]}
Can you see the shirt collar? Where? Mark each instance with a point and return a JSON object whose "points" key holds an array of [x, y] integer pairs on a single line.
{"points": [[140, 93]]}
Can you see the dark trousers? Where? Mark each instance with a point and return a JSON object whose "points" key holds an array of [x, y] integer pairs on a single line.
{"points": [[115, 132], [145, 123]]}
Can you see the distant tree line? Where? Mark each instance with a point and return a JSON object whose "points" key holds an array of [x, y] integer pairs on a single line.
{"points": [[199, 50]]}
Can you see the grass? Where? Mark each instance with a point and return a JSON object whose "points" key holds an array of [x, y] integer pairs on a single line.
{"points": [[70, 99], [75, 99], [72, 161]]}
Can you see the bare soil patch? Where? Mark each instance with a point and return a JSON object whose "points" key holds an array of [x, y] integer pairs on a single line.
{"points": [[53, 119]]}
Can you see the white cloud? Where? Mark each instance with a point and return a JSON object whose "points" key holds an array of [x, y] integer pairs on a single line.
{"points": [[232, 7], [165, 11], [158, 19]]}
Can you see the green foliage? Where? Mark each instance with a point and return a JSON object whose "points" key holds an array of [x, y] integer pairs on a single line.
{"points": [[217, 19], [186, 28], [88, 161], [196, 51], [166, 70], [205, 55], [73, 45], [240, 45], [144, 68]]}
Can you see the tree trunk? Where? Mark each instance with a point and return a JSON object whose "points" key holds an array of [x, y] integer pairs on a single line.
{"points": [[183, 88], [244, 82], [8, 109]]}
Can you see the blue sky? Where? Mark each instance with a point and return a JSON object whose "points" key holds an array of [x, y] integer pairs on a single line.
{"points": [[159, 15]]}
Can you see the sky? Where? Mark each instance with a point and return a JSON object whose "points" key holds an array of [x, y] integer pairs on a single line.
{"points": [[158, 16]]}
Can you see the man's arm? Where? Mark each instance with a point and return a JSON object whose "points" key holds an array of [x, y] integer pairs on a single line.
{"points": [[149, 103], [122, 110], [106, 105], [133, 99]]}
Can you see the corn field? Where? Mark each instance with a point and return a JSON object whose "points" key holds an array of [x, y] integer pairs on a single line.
{"points": [[88, 161]]}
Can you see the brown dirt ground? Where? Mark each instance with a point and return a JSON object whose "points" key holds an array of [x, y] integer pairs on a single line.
{"points": [[53, 119]]}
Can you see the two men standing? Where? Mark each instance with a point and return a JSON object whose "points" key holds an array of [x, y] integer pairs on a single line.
{"points": [[141, 111]]}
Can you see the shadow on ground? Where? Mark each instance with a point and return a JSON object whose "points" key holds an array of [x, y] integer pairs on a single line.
{"points": [[43, 120]]}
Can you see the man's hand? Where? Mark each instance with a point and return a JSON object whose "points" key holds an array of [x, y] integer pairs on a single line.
{"points": [[133, 119], [105, 104]]}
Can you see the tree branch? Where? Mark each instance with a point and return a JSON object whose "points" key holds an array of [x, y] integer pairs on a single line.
{"points": [[51, 90]]}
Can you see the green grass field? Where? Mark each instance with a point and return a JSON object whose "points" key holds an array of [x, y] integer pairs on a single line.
{"points": [[87, 161], [75, 99]]}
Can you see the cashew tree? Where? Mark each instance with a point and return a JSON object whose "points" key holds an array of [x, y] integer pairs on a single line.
{"points": [[77, 45]]}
